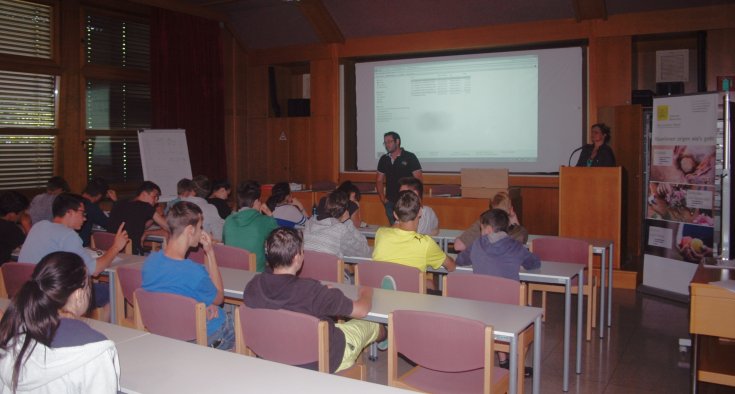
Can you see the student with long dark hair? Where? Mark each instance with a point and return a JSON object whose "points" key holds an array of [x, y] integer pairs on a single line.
{"points": [[44, 347]]}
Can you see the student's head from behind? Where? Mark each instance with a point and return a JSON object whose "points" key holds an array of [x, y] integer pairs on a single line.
{"points": [[248, 194], [148, 192], [96, 189], [184, 219], [221, 189], [335, 206], [12, 205], [280, 194], [353, 192], [59, 285], [57, 184], [202, 186], [407, 207], [284, 247], [501, 200], [413, 184], [493, 221], [185, 188], [68, 209]]}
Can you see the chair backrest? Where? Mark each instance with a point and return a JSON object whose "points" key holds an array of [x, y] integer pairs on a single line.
{"points": [[15, 275], [170, 315], [447, 353], [282, 336], [102, 240], [484, 288], [232, 257], [196, 255], [371, 273], [565, 250], [322, 266], [130, 279]]}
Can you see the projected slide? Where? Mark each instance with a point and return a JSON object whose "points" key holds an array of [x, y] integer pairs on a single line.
{"points": [[440, 106], [520, 110]]}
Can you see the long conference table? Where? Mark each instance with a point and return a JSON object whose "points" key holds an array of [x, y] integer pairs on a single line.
{"points": [[600, 247], [508, 321], [154, 364], [550, 272]]}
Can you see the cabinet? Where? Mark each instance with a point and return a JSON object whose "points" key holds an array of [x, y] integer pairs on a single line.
{"points": [[288, 145], [712, 325]]}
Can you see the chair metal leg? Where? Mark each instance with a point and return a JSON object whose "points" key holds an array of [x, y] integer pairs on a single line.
{"points": [[373, 352]]}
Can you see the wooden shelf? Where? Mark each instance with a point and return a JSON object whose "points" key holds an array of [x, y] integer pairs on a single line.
{"points": [[717, 361]]}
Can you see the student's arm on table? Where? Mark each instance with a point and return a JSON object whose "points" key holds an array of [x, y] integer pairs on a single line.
{"points": [[449, 264], [210, 263], [361, 307], [160, 220]]}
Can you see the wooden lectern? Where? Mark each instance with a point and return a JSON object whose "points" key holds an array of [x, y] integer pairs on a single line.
{"points": [[590, 204]]}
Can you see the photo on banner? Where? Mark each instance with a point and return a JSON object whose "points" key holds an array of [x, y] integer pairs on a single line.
{"points": [[679, 241], [681, 203]]}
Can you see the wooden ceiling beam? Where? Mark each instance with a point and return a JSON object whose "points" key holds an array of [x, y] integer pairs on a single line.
{"points": [[589, 9], [321, 20], [184, 8]]}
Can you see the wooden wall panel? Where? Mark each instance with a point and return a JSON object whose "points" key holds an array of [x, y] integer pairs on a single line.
{"points": [[257, 92], [256, 157], [278, 154], [610, 73], [627, 142], [299, 144], [540, 210], [720, 42]]}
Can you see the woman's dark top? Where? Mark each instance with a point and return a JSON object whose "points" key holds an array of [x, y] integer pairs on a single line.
{"points": [[604, 158]]}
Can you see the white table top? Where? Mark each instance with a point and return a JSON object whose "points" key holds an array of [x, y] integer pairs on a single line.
{"points": [[155, 364], [507, 320]]}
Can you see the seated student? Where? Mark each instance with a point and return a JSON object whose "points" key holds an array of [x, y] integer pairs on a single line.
{"points": [[97, 189], [44, 346], [220, 198], [212, 221], [403, 245], [287, 211], [40, 208], [60, 235], [248, 228], [332, 231], [14, 223], [428, 223], [283, 289], [496, 253], [353, 205], [169, 271], [138, 214], [515, 230], [184, 188]]}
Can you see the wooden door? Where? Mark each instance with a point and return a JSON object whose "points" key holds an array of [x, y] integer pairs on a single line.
{"points": [[278, 150]]}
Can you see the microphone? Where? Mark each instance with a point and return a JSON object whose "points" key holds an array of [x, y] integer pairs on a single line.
{"points": [[573, 152]]}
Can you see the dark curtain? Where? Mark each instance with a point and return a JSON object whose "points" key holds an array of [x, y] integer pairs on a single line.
{"points": [[187, 86]]}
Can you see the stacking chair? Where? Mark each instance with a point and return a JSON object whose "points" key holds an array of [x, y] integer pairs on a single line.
{"points": [[322, 266], [170, 315], [567, 250], [286, 337], [127, 280], [14, 276], [407, 278], [493, 289], [227, 257], [461, 363], [232, 257], [102, 240]]}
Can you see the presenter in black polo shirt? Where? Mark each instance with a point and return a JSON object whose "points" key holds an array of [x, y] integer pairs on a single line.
{"points": [[394, 165]]}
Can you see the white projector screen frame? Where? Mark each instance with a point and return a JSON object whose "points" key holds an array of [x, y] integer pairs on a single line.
{"points": [[465, 128]]}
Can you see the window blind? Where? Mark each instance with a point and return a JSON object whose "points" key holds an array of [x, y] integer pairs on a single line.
{"points": [[114, 158], [25, 28], [27, 100], [115, 41], [26, 161]]}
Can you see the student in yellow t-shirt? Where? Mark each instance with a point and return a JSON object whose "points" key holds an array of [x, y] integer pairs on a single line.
{"points": [[403, 245]]}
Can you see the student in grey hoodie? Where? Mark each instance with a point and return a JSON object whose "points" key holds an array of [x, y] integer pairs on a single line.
{"points": [[248, 228], [332, 231], [495, 253]]}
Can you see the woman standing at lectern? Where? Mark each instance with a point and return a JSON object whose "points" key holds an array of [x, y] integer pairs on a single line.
{"points": [[598, 153]]}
